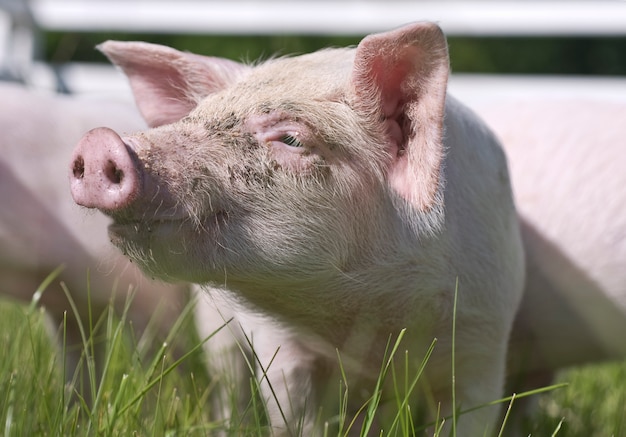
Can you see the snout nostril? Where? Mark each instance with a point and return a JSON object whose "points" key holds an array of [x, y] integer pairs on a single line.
{"points": [[113, 172], [79, 168]]}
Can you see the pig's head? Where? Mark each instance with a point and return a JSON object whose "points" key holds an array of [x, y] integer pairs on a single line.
{"points": [[292, 169]]}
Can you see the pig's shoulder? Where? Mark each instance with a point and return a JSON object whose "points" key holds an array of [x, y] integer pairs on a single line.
{"points": [[464, 126], [474, 155]]}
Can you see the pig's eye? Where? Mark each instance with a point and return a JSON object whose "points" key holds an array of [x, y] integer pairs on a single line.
{"points": [[290, 140]]}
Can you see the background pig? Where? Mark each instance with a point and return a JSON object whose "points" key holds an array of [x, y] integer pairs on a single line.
{"points": [[568, 165], [321, 196], [41, 228]]}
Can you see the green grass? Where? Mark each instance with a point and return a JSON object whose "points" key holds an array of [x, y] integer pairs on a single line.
{"points": [[144, 392], [592, 405]]}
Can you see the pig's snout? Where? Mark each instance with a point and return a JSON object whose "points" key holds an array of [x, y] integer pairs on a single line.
{"points": [[103, 171]]}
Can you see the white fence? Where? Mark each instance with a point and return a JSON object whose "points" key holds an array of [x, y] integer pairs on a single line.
{"points": [[22, 20], [495, 17]]}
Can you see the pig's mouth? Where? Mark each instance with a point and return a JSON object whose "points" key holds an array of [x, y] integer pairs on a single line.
{"points": [[142, 226], [141, 229], [161, 247], [138, 238]]}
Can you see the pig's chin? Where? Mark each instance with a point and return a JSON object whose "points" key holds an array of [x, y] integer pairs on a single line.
{"points": [[123, 233], [161, 248]]}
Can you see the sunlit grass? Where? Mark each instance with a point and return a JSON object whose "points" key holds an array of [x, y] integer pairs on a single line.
{"points": [[135, 391], [592, 405], [140, 391]]}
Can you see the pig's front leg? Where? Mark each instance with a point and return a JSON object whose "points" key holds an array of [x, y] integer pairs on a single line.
{"points": [[479, 380], [226, 353], [288, 380], [284, 370], [467, 381]]}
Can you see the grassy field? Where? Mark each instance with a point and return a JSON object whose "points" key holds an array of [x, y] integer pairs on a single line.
{"points": [[145, 392]]}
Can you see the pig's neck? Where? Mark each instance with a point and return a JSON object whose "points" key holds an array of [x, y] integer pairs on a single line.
{"points": [[369, 295]]}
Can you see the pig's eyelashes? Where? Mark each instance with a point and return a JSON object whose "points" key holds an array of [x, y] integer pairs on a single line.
{"points": [[290, 140]]}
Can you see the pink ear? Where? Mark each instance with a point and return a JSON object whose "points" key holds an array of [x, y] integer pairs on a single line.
{"points": [[401, 76], [168, 84]]}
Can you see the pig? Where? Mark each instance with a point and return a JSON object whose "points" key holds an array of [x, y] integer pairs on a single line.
{"points": [[567, 162], [329, 203], [41, 228]]}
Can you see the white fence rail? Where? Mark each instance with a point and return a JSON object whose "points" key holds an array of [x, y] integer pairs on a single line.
{"points": [[533, 17], [22, 19]]}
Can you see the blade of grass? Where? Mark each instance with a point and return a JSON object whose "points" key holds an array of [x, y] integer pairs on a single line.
{"points": [[343, 397], [34, 302], [114, 334], [264, 370], [419, 374], [506, 416], [114, 415], [501, 401], [87, 347], [8, 422], [374, 401], [454, 411], [558, 428]]}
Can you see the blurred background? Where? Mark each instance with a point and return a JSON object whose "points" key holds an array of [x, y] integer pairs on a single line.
{"points": [[50, 43]]}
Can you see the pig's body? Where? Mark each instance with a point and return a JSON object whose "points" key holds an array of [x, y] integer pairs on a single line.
{"points": [[331, 207], [41, 228], [408, 284], [568, 164]]}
